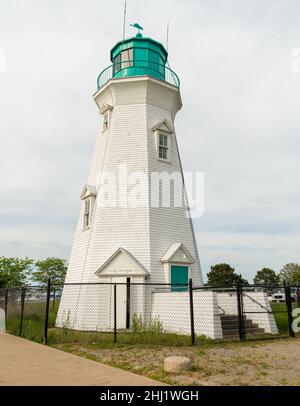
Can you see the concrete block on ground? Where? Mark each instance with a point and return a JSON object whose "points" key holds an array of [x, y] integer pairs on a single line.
{"points": [[177, 364]]}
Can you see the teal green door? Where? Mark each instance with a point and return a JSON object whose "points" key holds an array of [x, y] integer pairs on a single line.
{"points": [[179, 274]]}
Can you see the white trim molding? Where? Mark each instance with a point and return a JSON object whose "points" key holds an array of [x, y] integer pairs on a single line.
{"points": [[122, 263], [87, 191], [105, 107], [177, 253], [163, 126]]}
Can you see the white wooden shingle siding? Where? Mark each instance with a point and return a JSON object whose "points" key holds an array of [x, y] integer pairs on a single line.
{"points": [[173, 311], [113, 227], [145, 232], [168, 225]]}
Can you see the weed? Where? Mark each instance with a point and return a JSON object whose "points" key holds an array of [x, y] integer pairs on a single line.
{"points": [[153, 326]]}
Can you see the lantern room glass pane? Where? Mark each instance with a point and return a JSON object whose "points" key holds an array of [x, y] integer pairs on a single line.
{"points": [[117, 63], [127, 58]]}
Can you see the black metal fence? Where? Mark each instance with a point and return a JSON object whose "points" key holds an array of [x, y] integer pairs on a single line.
{"points": [[273, 318], [148, 313]]}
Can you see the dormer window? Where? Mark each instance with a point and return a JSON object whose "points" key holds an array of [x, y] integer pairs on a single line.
{"points": [[88, 196], [163, 133], [105, 111]]}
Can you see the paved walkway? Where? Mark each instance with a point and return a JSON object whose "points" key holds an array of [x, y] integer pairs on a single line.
{"points": [[24, 362]]}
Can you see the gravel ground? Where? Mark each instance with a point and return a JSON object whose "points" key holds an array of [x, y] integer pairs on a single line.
{"points": [[275, 362]]}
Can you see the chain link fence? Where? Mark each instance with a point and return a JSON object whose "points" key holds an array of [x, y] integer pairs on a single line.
{"points": [[268, 311], [148, 313]]}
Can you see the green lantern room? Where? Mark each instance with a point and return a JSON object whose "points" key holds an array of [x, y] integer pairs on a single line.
{"points": [[138, 56]]}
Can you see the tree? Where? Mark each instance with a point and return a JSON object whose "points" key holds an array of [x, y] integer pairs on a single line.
{"points": [[224, 275], [53, 268], [267, 276], [14, 271], [290, 273]]}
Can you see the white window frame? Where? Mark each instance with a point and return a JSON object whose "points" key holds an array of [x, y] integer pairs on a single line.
{"points": [[167, 147], [105, 111], [88, 197], [105, 120], [89, 202], [87, 213]]}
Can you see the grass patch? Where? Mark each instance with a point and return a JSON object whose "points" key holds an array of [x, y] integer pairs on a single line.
{"points": [[33, 326], [101, 340], [281, 318], [140, 334]]}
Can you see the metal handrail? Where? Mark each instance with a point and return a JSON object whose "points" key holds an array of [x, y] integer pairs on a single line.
{"points": [[255, 301], [222, 310], [153, 69]]}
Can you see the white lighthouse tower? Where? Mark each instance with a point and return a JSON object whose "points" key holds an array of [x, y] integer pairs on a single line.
{"points": [[129, 230]]}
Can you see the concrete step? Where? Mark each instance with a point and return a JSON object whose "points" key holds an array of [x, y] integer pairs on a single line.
{"points": [[236, 326], [235, 332], [230, 317], [236, 322], [230, 326]]}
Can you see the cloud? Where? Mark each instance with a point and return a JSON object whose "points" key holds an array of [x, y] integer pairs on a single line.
{"points": [[248, 251]]}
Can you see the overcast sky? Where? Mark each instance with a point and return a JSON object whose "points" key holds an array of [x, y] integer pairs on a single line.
{"points": [[240, 121]]}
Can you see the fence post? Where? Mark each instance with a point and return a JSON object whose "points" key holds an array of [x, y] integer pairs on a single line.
{"points": [[115, 313], [47, 311], [6, 306], [288, 301], [128, 303], [298, 296], [239, 293], [22, 310], [193, 340], [53, 307]]}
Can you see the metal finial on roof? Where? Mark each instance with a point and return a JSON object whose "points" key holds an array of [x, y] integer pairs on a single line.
{"points": [[138, 27]]}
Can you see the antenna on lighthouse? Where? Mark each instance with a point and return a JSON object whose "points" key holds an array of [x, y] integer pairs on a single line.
{"points": [[167, 46], [124, 20]]}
